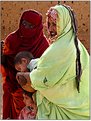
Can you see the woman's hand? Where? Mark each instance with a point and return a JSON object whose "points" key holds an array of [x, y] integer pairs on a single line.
{"points": [[22, 78]]}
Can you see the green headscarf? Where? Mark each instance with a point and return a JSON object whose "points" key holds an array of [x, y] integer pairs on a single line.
{"points": [[54, 78]]}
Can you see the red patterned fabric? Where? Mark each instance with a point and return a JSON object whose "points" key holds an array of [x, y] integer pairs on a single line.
{"points": [[27, 114], [36, 43]]}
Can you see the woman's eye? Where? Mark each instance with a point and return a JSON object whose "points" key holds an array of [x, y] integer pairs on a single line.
{"points": [[24, 23], [31, 26], [27, 24]]}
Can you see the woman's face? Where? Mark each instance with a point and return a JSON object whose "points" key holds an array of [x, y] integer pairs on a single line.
{"points": [[52, 27]]}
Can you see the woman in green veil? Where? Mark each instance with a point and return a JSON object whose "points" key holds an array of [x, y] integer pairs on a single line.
{"points": [[62, 74]]}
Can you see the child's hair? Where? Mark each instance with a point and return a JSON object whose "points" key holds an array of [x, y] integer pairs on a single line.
{"points": [[23, 54], [27, 93]]}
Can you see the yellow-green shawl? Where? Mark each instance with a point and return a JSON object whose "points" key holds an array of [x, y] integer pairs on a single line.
{"points": [[54, 79]]}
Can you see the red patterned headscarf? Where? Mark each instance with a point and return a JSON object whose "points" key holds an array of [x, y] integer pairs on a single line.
{"points": [[34, 18]]}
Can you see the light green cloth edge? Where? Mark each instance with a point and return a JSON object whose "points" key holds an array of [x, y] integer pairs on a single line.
{"points": [[57, 96]]}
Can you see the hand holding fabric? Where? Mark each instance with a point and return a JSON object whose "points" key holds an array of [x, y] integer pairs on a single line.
{"points": [[21, 79], [24, 80]]}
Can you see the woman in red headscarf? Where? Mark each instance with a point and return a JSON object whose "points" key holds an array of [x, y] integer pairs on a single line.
{"points": [[29, 37]]}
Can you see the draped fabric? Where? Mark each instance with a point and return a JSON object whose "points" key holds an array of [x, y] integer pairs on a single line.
{"points": [[54, 79], [36, 43]]}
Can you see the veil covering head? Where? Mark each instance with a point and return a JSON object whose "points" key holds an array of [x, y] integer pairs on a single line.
{"points": [[25, 38], [34, 18], [55, 75], [62, 19], [62, 29]]}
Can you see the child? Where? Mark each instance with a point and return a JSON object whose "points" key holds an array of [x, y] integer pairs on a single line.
{"points": [[30, 110], [25, 62]]}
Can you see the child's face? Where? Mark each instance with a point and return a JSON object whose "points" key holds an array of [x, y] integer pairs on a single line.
{"points": [[22, 66], [27, 100]]}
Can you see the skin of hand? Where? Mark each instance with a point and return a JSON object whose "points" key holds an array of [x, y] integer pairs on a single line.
{"points": [[23, 78]]}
